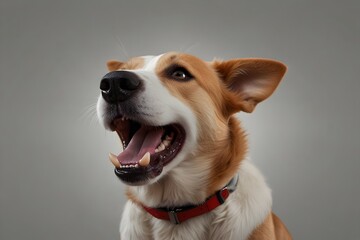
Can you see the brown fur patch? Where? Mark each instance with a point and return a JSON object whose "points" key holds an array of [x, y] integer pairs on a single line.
{"points": [[271, 229], [264, 231], [229, 156], [133, 63], [114, 65], [281, 231]]}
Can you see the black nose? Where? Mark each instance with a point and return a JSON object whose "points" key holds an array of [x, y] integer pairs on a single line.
{"points": [[118, 86]]}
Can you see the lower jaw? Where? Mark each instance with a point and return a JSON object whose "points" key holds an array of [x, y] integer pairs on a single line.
{"points": [[137, 177]]}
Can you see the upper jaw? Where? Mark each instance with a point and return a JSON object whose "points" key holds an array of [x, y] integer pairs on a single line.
{"points": [[108, 113]]}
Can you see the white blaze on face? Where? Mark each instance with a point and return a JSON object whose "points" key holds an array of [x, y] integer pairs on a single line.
{"points": [[162, 108]]}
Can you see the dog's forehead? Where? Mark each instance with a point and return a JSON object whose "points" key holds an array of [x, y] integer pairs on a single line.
{"points": [[152, 62]]}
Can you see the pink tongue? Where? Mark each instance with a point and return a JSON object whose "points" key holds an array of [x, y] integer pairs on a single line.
{"points": [[144, 140]]}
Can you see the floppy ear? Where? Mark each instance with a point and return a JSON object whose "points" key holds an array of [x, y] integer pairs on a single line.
{"points": [[250, 80], [113, 65]]}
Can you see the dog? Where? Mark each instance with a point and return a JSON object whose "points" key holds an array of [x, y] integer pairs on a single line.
{"points": [[185, 158]]}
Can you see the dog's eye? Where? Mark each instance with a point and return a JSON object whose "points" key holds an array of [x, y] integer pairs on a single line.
{"points": [[181, 74]]}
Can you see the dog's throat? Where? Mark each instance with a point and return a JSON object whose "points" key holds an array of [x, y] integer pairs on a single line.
{"points": [[144, 140]]}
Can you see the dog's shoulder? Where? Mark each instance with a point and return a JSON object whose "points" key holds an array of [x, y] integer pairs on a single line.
{"points": [[254, 196], [272, 228]]}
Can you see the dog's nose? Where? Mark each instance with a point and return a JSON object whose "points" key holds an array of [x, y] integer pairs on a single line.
{"points": [[118, 86]]}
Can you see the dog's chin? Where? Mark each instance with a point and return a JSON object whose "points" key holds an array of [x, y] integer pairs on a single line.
{"points": [[147, 149], [137, 177]]}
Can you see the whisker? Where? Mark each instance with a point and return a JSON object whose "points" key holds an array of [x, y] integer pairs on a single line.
{"points": [[122, 46], [187, 50], [88, 114]]}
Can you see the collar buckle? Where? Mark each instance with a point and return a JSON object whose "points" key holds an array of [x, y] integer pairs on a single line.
{"points": [[173, 217], [222, 195]]}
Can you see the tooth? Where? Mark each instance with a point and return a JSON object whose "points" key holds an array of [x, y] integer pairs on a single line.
{"points": [[145, 160], [156, 150], [166, 143], [161, 147], [114, 160], [136, 165]]}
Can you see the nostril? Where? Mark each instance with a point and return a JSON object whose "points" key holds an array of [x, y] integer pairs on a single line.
{"points": [[129, 84], [105, 85], [119, 86]]}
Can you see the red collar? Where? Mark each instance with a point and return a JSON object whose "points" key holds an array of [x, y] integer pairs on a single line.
{"points": [[178, 215]]}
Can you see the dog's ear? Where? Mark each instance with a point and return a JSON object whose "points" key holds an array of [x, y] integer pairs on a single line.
{"points": [[249, 80], [113, 65]]}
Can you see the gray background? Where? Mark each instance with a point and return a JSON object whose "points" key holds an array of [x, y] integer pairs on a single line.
{"points": [[55, 179]]}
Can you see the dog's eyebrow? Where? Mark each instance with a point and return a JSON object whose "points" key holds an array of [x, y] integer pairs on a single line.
{"points": [[172, 57], [174, 66]]}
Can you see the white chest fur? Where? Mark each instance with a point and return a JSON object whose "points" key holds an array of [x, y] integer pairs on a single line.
{"points": [[244, 210]]}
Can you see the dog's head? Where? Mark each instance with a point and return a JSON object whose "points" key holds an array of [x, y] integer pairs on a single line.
{"points": [[171, 108]]}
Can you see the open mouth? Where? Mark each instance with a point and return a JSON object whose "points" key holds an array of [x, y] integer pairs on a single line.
{"points": [[147, 149]]}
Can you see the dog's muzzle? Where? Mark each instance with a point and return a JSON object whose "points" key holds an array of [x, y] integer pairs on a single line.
{"points": [[147, 149]]}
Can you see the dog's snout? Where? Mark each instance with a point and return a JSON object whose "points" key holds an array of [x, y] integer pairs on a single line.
{"points": [[118, 86]]}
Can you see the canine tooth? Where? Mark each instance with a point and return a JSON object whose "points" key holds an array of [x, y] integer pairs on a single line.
{"points": [[145, 160], [114, 160]]}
